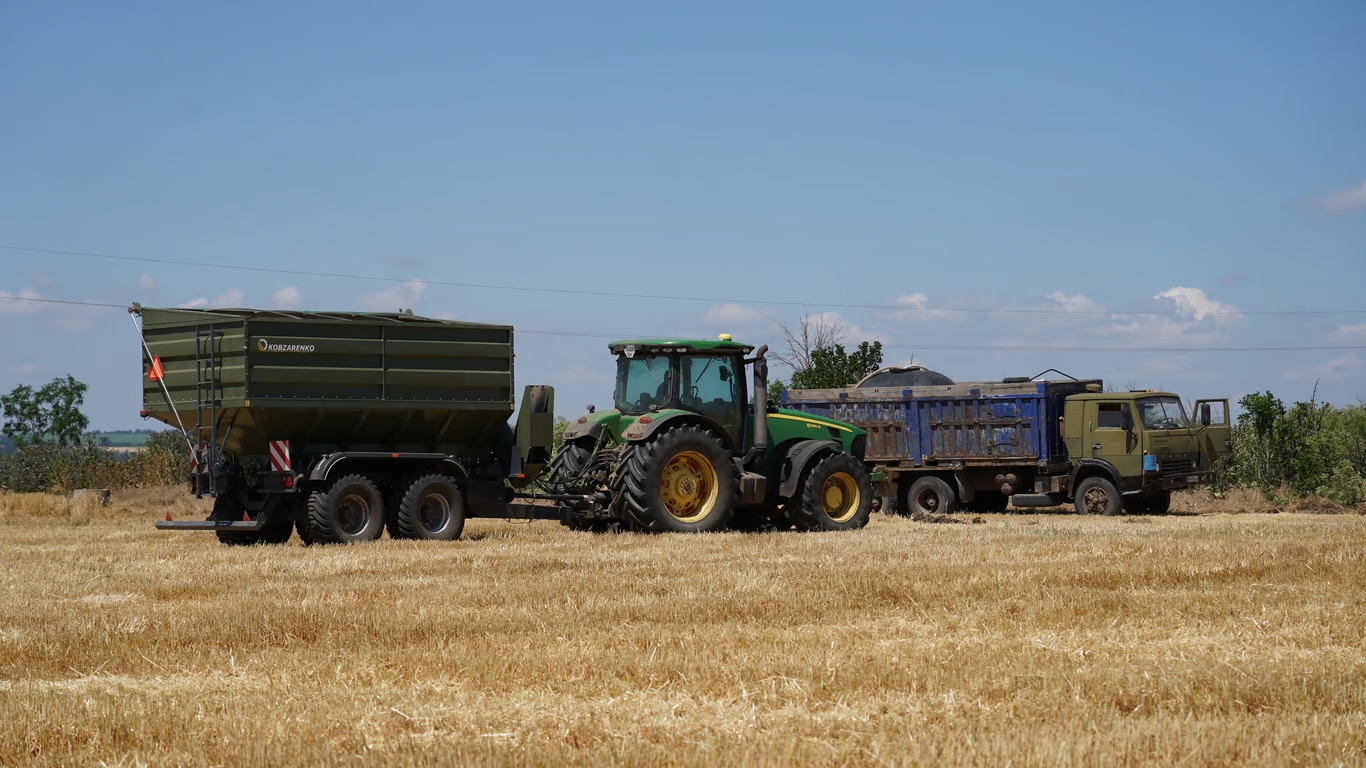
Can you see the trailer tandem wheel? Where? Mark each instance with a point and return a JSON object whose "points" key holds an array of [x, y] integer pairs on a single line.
{"points": [[351, 510], [431, 507]]}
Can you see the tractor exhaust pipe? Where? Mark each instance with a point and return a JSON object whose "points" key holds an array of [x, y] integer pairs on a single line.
{"points": [[760, 404]]}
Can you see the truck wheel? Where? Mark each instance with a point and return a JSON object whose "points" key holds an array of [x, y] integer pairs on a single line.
{"points": [[835, 495], [681, 480], [1098, 496], [431, 508], [349, 511], [930, 496]]}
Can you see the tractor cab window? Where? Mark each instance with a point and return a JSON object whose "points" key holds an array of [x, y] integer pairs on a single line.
{"points": [[712, 387], [1162, 413], [644, 381]]}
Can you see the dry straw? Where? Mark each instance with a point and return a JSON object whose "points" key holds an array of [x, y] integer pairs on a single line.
{"points": [[1029, 640]]}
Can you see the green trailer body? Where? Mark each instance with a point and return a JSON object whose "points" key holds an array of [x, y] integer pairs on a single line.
{"points": [[329, 381]]}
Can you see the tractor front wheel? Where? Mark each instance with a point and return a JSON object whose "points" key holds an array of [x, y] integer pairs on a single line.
{"points": [[835, 495], [681, 480]]}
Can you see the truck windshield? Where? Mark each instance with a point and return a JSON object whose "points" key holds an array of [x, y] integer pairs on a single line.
{"points": [[643, 381], [1162, 413]]}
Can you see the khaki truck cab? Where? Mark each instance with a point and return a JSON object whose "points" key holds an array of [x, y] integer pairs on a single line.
{"points": [[1130, 450]]}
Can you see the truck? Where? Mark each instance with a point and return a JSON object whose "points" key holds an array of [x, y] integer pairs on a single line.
{"points": [[1027, 442], [688, 446], [342, 425]]}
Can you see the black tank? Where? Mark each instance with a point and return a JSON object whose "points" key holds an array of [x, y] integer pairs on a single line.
{"points": [[910, 376]]}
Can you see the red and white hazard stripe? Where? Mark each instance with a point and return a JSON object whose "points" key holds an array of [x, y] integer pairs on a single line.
{"points": [[279, 456]]}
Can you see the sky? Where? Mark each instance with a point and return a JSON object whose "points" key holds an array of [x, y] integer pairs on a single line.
{"points": [[1166, 195]]}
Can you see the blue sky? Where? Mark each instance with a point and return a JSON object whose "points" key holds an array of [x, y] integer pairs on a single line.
{"points": [[1096, 161]]}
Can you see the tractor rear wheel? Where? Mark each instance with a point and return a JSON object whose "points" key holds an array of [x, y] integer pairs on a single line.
{"points": [[349, 511], [680, 480], [431, 507], [835, 495]]}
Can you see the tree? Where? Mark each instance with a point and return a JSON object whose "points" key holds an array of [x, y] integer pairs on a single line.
{"points": [[831, 367], [52, 411], [813, 332]]}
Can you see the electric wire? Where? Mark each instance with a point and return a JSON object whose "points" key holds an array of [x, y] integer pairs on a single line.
{"points": [[951, 347], [661, 297]]}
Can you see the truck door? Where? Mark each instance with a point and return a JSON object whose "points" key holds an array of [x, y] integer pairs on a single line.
{"points": [[1215, 430], [1112, 435]]}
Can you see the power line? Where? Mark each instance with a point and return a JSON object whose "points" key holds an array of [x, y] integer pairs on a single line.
{"points": [[952, 347], [659, 297]]}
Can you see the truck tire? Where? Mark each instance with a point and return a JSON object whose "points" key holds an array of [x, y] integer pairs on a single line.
{"points": [[1098, 496], [349, 511], [680, 480], [835, 495], [431, 507], [929, 496]]}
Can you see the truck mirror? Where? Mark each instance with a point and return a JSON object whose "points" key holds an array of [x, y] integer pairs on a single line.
{"points": [[1204, 414], [1127, 421]]}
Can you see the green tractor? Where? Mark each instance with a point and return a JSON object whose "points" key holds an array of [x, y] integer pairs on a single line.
{"points": [[684, 450]]}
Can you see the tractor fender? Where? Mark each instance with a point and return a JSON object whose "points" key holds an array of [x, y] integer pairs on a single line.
{"points": [[1088, 467], [576, 429], [798, 456], [638, 431]]}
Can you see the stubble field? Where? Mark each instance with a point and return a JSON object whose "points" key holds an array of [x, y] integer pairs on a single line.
{"points": [[1026, 640]]}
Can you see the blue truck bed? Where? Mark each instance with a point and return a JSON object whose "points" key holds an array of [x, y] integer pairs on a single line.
{"points": [[968, 424]]}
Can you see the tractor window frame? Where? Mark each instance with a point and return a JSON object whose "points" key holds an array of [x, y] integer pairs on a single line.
{"points": [[667, 376]]}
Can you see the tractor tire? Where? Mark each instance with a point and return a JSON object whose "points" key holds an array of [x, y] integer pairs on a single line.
{"points": [[835, 495], [680, 480], [1098, 496], [570, 460], [228, 507], [929, 496], [431, 508], [348, 512]]}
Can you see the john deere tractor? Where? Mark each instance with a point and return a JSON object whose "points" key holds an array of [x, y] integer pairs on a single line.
{"points": [[685, 450]]}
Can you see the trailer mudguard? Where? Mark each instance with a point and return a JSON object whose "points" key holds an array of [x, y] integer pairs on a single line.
{"points": [[798, 456], [322, 469], [1093, 467]]}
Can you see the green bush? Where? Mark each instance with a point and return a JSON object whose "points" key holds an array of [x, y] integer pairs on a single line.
{"points": [[1308, 448], [48, 467]]}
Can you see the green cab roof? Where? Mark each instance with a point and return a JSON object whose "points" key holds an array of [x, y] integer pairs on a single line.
{"points": [[680, 345]]}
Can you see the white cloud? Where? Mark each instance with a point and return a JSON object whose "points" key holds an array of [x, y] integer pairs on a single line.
{"points": [[25, 369], [1074, 303], [405, 295], [232, 297], [147, 283], [198, 303], [1194, 302], [733, 314], [913, 300], [1352, 331], [287, 297], [9, 305], [1343, 200], [1348, 366]]}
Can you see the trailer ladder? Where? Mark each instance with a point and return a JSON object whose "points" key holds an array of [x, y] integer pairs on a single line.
{"points": [[208, 392]]}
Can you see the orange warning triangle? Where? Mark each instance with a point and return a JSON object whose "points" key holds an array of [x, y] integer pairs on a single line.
{"points": [[157, 373]]}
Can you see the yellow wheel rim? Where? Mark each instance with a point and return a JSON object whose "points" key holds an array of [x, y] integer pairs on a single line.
{"points": [[688, 487], [840, 496]]}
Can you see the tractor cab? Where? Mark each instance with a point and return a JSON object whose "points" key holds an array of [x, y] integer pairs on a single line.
{"points": [[702, 377]]}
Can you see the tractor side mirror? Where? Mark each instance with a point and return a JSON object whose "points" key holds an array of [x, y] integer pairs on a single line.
{"points": [[724, 373], [1204, 414]]}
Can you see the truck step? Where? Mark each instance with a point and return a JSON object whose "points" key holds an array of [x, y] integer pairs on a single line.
{"points": [[211, 525]]}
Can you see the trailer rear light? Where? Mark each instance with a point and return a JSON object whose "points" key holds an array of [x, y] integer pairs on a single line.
{"points": [[289, 482], [144, 413]]}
